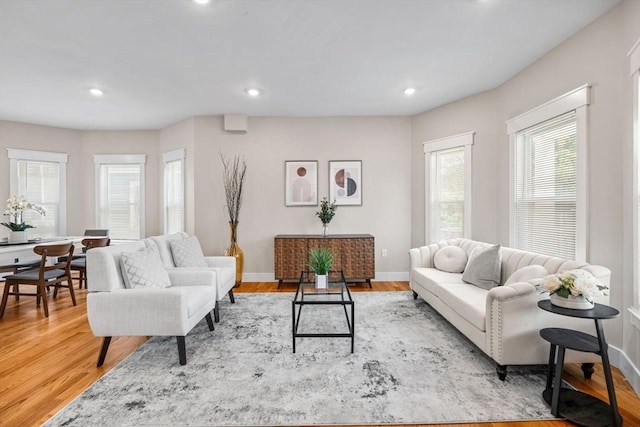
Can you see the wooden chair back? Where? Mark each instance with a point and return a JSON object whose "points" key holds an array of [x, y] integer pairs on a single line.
{"points": [[96, 242], [59, 250]]}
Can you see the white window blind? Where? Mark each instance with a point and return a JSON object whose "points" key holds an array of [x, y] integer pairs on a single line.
{"points": [[447, 190], [120, 200], [174, 196], [546, 187], [39, 183]]}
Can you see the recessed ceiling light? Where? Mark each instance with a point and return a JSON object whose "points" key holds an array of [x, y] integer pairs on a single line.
{"points": [[95, 91], [253, 91], [410, 91], [201, 1]]}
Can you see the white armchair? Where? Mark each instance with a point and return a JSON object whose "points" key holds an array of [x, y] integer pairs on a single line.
{"points": [[224, 266], [115, 310]]}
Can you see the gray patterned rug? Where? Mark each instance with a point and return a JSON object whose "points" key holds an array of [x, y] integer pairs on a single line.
{"points": [[409, 366]]}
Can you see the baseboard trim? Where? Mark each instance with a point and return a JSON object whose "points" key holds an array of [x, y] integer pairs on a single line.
{"points": [[619, 359], [381, 276]]}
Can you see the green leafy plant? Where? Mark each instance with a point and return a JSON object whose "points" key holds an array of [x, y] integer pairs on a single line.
{"points": [[320, 260], [327, 211]]}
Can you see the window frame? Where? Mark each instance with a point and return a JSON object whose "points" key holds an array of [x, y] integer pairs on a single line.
{"points": [[466, 141], [178, 155], [576, 100], [634, 71], [121, 159], [15, 155]]}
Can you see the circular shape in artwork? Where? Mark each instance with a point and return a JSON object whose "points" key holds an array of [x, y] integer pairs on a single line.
{"points": [[339, 178], [351, 187], [340, 192], [302, 171]]}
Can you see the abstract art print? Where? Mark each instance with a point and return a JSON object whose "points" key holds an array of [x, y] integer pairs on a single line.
{"points": [[301, 183], [345, 182]]}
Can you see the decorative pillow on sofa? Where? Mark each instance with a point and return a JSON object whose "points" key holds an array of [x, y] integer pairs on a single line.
{"points": [[144, 269], [483, 268], [527, 274], [187, 252], [451, 259]]}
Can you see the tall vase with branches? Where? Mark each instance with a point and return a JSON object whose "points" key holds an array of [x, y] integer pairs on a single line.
{"points": [[234, 171]]}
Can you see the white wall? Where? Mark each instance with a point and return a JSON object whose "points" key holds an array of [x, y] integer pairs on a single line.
{"points": [[382, 143], [597, 55]]}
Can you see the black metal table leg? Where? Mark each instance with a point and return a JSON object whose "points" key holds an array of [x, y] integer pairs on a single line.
{"points": [[604, 348], [555, 400]]}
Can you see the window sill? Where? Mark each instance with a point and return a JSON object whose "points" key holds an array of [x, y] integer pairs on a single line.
{"points": [[635, 316]]}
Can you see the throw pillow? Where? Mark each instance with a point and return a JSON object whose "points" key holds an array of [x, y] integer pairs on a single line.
{"points": [[451, 259], [527, 274], [483, 269], [144, 269], [187, 252]]}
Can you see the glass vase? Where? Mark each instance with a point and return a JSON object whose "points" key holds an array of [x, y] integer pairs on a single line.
{"points": [[325, 230], [235, 251]]}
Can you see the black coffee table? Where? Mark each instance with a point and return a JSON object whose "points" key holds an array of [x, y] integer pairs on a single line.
{"points": [[336, 293]]}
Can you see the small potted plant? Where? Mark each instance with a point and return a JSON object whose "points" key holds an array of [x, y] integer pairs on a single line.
{"points": [[326, 213], [16, 206], [320, 261]]}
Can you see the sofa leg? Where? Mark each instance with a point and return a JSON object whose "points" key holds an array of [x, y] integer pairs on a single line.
{"points": [[210, 322], [103, 351], [415, 295], [216, 312], [587, 370], [502, 372], [231, 297], [182, 350]]}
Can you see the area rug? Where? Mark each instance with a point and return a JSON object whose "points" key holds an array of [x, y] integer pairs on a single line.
{"points": [[409, 366]]}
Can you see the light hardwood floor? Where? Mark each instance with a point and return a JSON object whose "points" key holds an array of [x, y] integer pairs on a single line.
{"points": [[46, 362]]}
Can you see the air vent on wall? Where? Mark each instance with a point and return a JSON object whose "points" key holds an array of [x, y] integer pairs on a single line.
{"points": [[236, 123]]}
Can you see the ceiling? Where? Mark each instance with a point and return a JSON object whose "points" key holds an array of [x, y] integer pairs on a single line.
{"points": [[161, 61]]}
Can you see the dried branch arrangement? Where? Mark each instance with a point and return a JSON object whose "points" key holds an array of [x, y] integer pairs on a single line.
{"points": [[234, 172]]}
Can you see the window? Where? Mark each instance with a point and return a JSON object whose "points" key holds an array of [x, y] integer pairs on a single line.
{"points": [[120, 195], [548, 177], [448, 187], [174, 191], [40, 177]]}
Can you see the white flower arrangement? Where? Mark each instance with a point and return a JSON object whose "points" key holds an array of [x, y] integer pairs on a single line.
{"points": [[574, 282], [16, 205]]}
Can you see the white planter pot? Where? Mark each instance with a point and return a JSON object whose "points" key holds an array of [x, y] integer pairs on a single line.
{"points": [[321, 281], [576, 303], [18, 237]]}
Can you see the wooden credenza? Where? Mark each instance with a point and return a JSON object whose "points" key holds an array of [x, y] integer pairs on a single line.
{"points": [[354, 254]]}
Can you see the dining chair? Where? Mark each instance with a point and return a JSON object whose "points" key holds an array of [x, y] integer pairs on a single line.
{"points": [[80, 264], [50, 273]]}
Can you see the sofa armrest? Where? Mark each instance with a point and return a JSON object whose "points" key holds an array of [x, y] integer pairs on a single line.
{"points": [[221, 261], [419, 258], [192, 276], [149, 311]]}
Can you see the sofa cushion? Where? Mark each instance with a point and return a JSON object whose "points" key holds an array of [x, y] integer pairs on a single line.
{"points": [[431, 278], [530, 273], [467, 300], [164, 246], [483, 268], [187, 252], [451, 258], [144, 269]]}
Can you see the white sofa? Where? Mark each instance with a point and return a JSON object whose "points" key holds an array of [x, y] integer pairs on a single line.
{"points": [[224, 267], [115, 310], [504, 321]]}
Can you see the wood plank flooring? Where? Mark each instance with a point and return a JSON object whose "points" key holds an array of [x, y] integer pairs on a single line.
{"points": [[46, 362]]}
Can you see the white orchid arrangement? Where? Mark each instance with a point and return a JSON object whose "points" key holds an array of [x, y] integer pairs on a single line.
{"points": [[16, 205], [574, 282]]}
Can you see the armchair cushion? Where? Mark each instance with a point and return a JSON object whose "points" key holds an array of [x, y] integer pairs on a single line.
{"points": [[144, 269], [483, 269], [187, 252]]}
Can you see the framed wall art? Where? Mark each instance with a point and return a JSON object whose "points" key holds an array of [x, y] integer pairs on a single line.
{"points": [[345, 182], [301, 183]]}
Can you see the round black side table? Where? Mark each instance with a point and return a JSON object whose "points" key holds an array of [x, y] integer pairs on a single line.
{"points": [[581, 408]]}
